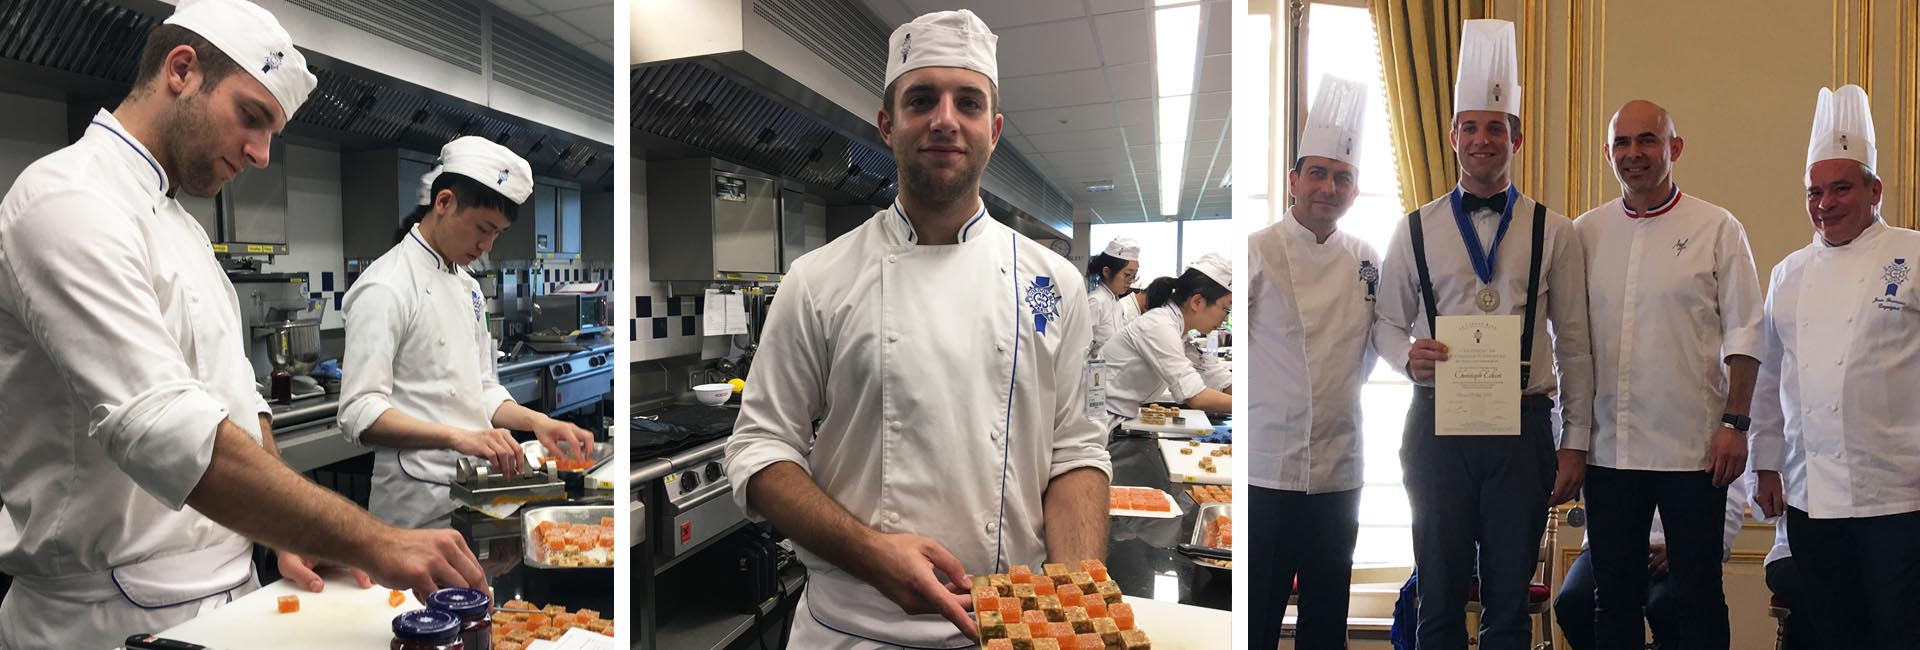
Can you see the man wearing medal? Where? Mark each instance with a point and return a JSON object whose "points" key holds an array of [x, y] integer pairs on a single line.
{"points": [[1482, 468]]}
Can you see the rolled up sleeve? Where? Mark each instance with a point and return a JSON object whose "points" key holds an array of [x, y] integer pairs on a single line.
{"points": [[784, 392], [1077, 441], [78, 277], [375, 325]]}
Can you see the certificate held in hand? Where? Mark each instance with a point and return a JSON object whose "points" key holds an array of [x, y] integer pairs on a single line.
{"points": [[1477, 389]]}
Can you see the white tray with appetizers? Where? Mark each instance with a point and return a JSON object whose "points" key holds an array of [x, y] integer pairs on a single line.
{"points": [[1059, 609], [1190, 461], [1166, 420]]}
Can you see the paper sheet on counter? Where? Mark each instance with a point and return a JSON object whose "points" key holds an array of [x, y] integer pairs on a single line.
{"points": [[577, 639], [726, 313]]}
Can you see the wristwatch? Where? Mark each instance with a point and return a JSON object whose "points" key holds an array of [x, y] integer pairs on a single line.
{"points": [[1739, 423]]}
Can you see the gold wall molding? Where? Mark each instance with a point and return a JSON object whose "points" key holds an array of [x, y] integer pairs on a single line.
{"points": [[1906, 148]]}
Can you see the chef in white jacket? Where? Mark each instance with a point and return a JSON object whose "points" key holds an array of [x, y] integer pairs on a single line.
{"points": [[419, 383], [1110, 275], [1834, 410], [941, 354], [1153, 353], [140, 458], [1312, 316]]}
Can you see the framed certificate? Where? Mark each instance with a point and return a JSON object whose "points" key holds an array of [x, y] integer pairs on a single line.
{"points": [[1477, 389]]}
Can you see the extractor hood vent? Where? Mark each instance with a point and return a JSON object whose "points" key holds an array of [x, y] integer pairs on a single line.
{"points": [[835, 30], [442, 29], [533, 64]]}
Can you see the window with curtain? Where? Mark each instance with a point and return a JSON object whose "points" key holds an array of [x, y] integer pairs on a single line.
{"points": [[1341, 41]]}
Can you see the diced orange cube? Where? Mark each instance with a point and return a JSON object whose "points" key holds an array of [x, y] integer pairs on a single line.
{"points": [[1122, 615], [1000, 644], [986, 602], [1043, 587], [288, 604], [1095, 607], [1087, 642], [396, 599], [1033, 616]]}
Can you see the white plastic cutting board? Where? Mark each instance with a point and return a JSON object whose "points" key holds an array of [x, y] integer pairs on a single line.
{"points": [[1185, 468], [1172, 626], [341, 616], [1197, 425]]}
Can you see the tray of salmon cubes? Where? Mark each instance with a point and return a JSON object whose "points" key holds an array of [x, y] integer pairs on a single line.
{"points": [[568, 537], [1205, 494], [1055, 609], [518, 623], [1141, 502]]}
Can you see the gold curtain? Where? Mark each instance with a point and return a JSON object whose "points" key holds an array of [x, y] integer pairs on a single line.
{"points": [[1419, 42]]}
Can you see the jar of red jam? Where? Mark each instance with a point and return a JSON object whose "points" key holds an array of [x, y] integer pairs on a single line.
{"points": [[475, 611], [426, 629]]}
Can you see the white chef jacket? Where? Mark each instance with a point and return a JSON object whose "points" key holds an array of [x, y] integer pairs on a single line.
{"points": [[1834, 409], [1672, 295], [1129, 309], [120, 352], [1312, 309], [1562, 354], [1152, 354], [947, 385], [1103, 310], [416, 341]]}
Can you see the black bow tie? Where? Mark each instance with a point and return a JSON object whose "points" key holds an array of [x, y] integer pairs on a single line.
{"points": [[1472, 204]]}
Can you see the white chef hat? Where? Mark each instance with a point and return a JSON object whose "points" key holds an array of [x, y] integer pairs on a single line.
{"points": [[255, 41], [1124, 248], [1216, 267], [1842, 127], [1489, 74], [1335, 124], [945, 39], [480, 159]]}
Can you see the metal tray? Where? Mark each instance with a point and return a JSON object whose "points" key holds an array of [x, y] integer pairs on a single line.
{"points": [[530, 518], [1205, 513]]}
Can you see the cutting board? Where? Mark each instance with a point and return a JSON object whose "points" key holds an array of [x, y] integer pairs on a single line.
{"points": [[341, 616], [1185, 468], [1197, 425], [1172, 626]]}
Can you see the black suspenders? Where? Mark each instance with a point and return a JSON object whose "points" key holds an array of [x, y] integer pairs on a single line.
{"points": [[1533, 284]]}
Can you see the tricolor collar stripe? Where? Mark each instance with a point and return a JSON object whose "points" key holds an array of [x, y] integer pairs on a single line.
{"points": [[161, 176], [1673, 199]]}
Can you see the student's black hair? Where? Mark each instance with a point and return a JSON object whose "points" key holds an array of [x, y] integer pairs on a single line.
{"points": [[467, 193], [1104, 266], [1191, 283]]}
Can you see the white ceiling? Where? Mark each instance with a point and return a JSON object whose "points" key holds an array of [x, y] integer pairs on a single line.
{"points": [[1076, 85], [587, 24]]}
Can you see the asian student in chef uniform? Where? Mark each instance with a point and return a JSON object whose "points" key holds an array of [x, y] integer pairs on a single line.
{"points": [[1672, 296], [1834, 410], [420, 385], [941, 354], [1312, 315], [1110, 275], [141, 465], [1487, 250], [1153, 353]]}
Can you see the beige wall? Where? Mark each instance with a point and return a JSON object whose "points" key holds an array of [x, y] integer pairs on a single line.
{"points": [[1740, 77]]}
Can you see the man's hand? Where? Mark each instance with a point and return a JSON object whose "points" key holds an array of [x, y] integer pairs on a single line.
{"points": [[563, 439], [1769, 494], [424, 561], [1727, 456], [1656, 560], [1422, 357], [496, 446], [1567, 480], [902, 567], [304, 572]]}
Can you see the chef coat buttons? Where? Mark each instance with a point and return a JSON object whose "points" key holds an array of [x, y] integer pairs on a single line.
{"points": [[992, 528], [892, 337], [892, 258], [1834, 407], [999, 347], [893, 518], [994, 434]]}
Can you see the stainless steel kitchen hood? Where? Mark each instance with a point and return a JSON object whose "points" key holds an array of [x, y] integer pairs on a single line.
{"points": [[792, 87], [86, 51]]}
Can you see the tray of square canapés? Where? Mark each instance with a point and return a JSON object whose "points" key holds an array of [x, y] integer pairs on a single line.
{"points": [[1055, 609]]}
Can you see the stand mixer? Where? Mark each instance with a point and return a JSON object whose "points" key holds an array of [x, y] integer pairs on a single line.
{"points": [[283, 327]]}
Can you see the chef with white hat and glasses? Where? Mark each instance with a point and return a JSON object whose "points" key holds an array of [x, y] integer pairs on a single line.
{"points": [[1488, 251], [142, 466], [1314, 289], [1154, 353], [941, 355], [419, 383], [1835, 440], [1110, 276]]}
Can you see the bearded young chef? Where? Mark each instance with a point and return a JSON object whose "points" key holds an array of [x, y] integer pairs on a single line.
{"points": [[1312, 312], [141, 459], [915, 480], [1834, 410], [1486, 250], [1153, 353], [419, 385]]}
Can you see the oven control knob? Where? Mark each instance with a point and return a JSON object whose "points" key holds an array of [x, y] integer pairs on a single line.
{"points": [[713, 472], [689, 481]]}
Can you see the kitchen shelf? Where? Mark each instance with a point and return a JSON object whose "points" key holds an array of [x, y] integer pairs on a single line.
{"points": [[703, 630]]}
